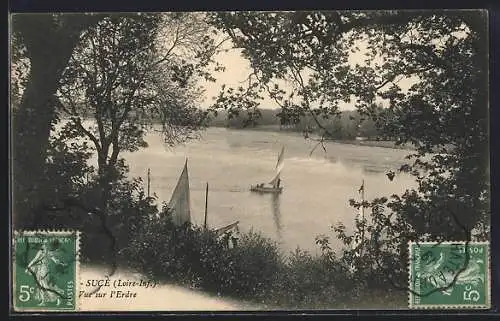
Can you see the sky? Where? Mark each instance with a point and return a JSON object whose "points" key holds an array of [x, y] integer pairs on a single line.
{"points": [[238, 69]]}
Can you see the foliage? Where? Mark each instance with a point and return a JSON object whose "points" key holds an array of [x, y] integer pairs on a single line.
{"points": [[174, 253], [257, 263], [127, 207], [19, 69], [72, 188], [197, 258], [128, 71], [125, 71], [120, 77], [253, 270], [311, 282], [65, 175]]}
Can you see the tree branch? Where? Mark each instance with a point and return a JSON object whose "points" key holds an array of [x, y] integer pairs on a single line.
{"points": [[78, 122]]}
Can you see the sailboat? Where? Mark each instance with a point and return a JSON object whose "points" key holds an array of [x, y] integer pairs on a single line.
{"points": [[180, 204], [275, 182], [233, 226], [180, 200]]}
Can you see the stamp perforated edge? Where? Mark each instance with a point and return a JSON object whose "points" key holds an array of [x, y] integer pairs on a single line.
{"points": [[487, 304], [61, 232]]}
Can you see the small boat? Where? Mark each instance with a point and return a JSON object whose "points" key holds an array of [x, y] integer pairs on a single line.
{"points": [[233, 226], [266, 189], [274, 185]]}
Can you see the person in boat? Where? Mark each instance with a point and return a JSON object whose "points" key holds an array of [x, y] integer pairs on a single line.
{"points": [[234, 241], [230, 240], [278, 183]]}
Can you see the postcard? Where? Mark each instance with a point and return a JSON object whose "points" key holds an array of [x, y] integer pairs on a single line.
{"points": [[250, 161]]}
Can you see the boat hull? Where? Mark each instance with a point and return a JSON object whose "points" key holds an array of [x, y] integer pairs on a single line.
{"points": [[264, 189]]}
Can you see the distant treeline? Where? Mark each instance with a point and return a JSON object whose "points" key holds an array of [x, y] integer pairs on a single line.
{"points": [[347, 126]]}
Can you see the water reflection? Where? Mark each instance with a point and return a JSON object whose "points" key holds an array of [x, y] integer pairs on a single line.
{"points": [[275, 199]]}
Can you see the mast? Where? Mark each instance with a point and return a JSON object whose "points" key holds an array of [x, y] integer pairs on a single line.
{"points": [[362, 199], [362, 217], [206, 207], [362, 211], [149, 180]]}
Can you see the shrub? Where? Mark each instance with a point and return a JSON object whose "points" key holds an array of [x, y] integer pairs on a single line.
{"points": [[192, 256], [256, 264], [185, 254], [254, 270], [71, 198]]}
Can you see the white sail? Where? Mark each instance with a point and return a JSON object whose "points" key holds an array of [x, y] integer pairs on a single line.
{"points": [[180, 202], [281, 159], [279, 166]]}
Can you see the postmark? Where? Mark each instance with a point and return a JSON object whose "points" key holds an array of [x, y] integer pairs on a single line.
{"points": [[449, 275], [46, 270]]}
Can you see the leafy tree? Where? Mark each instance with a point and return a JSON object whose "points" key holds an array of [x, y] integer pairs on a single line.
{"points": [[444, 113], [42, 46], [129, 72]]}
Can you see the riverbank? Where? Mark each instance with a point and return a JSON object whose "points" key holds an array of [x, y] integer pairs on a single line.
{"points": [[359, 142], [373, 143]]}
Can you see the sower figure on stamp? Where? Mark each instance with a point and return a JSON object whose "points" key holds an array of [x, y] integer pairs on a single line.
{"points": [[47, 291]]}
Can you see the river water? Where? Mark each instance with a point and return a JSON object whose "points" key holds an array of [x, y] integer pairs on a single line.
{"points": [[316, 192]]}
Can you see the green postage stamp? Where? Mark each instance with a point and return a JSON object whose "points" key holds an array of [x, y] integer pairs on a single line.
{"points": [[46, 269], [449, 275]]}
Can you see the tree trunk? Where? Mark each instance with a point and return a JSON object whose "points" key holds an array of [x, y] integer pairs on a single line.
{"points": [[105, 180], [31, 130], [49, 48]]}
